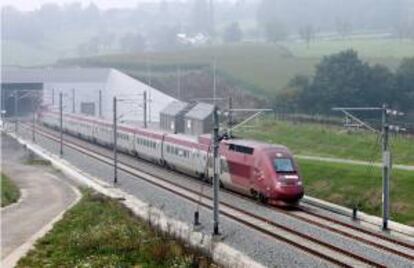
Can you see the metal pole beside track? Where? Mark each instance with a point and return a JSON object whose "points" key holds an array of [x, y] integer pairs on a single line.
{"points": [[386, 156], [16, 100], [178, 82], [216, 182], [61, 122], [145, 109], [230, 117], [73, 101], [115, 142], [33, 121], [100, 103]]}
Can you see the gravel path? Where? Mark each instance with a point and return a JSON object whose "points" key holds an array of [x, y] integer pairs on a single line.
{"points": [[44, 198], [352, 162]]}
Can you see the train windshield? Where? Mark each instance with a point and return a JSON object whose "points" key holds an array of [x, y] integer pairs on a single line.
{"points": [[283, 165]]}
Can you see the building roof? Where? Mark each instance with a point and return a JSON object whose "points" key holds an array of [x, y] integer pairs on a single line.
{"points": [[200, 111], [62, 75], [174, 108]]}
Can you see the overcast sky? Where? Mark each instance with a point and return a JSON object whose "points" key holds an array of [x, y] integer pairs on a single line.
{"points": [[104, 4]]}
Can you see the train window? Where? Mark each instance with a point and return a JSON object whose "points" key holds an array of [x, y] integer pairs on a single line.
{"points": [[283, 165], [241, 149]]}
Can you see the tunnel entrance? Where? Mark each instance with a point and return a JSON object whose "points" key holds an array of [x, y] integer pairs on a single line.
{"points": [[19, 98]]}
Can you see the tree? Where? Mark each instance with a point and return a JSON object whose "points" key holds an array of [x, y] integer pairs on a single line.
{"points": [[379, 87], [233, 33], [165, 37], [342, 79], [275, 31], [343, 27], [267, 19], [405, 84], [307, 33], [288, 99], [200, 17], [133, 42], [164, 8], [339, 81]]}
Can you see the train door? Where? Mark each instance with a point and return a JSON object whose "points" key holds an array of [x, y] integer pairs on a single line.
{"points": [[225, 177], [258, 177]]}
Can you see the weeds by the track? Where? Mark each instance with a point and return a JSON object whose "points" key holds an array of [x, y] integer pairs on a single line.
{"points": [[350, 185], [9, 191], [100, 232]]}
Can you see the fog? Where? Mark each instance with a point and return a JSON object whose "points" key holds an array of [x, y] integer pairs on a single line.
{"points": [[30, 5], [284, 50], [60, 29]]}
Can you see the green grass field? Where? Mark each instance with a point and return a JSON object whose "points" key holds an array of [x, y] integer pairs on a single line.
{"points": [[348, 185], [100, 232], [9, 191], [328, 141], [260, 68], [367, 48]]}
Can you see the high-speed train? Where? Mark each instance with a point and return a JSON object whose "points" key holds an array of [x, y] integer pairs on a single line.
{"points": [[264, 171]]}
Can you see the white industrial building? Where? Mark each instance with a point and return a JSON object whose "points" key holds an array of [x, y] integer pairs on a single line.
{"points": [[83, 88]]}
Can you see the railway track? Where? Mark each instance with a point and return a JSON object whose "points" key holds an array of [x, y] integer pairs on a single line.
{"points": [[264, 225]]}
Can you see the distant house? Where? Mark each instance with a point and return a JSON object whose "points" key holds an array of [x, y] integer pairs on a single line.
{"points": [[172, 117], [195, 40], [85, 90], [199, 119]]}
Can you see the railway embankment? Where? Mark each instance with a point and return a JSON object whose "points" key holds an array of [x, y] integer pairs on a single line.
{"points": [[101, 232]]}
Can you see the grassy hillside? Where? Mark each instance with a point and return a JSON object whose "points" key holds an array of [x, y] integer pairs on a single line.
{"points": [[9, 191], [100, 232], [328, 141], [367, 48], [351, 185], [261, 68]]}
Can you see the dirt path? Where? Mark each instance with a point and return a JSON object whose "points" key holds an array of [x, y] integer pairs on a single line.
{"points": [[44, 196], [353, 162]]}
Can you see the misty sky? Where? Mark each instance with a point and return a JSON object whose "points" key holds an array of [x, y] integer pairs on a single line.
{"points": [[104, 4]]}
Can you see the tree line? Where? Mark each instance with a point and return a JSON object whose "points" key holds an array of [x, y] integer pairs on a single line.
{"points": [[343, 79], [280, 19]]}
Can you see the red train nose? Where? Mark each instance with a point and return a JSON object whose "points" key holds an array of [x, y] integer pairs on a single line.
{"points": [[288, 189]]}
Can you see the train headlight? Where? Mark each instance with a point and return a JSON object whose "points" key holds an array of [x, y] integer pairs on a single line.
{"points": [[300, 183]]}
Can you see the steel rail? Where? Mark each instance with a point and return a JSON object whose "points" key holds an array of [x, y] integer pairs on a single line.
{"points": [[353, 227], [356, 228], [108, 161], [314, 222]]}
